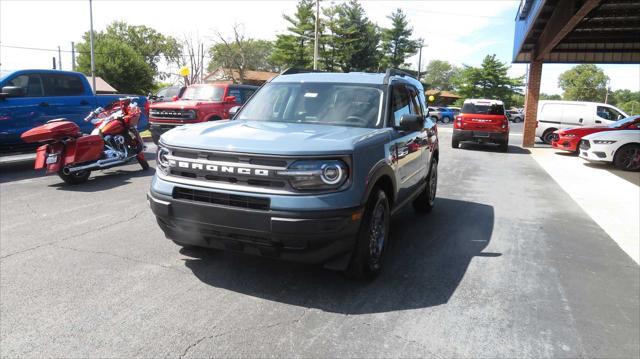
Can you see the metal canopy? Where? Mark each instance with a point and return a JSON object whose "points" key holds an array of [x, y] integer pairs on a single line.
{"points": [[577, 31]]}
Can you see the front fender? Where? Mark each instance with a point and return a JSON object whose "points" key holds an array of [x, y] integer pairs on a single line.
{"points": [[381, 169]]}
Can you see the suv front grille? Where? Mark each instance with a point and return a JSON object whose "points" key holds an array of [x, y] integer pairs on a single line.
{"points": [[223, 199], [171, 114]]}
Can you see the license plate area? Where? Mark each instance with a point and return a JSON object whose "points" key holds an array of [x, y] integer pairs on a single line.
{"points": [[51, 159], [481, 134]]}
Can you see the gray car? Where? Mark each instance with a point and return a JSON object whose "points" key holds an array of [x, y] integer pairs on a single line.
{"points": [[311, 169]]}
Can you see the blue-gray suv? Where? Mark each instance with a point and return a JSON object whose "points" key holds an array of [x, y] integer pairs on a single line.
{"points": [[310, 169]]}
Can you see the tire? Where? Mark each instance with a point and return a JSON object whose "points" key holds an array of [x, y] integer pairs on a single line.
{"points": [[76, 177], [455, 143], [372, 238], [143, 163], [426, 200], [627, 158], [517, 120], [155, 138], [434, 119], [546, 136], [446, 119], [504, 147]]}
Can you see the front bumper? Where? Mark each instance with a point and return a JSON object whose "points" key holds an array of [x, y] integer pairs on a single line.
{"points": [[597, 152], [480, 136], [565, 143], [158, 128], [301, 236]]}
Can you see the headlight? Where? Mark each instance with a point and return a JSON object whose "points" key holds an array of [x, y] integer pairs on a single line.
{"points": [[603, 142], [569, 135], [316, 174], [162, 162]]}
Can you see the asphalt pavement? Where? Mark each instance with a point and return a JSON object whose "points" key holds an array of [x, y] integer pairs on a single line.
{"points": [[507, 265]]}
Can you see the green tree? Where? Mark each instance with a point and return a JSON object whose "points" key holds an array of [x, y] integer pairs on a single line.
{"points": [[357, 39], [584, 82], [544, 96], [255, 55], [622, 96], [295, 49], [328, 45], [396, 41], [439, 75], [631, 107], [490, 81], [118, 64]]}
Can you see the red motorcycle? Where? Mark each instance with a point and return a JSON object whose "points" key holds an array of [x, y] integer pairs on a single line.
{"points": [[72, 155]]}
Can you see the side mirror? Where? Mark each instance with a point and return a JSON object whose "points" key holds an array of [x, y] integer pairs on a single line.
{"points": [[233, 111], [13, 91], [411, 123], [175, 98], [230, 99]]}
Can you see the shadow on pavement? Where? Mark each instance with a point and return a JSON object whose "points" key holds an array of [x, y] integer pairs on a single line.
{"points": [[23, 169], [110, 178], [490, 147], [631, 177], [426, 260]]}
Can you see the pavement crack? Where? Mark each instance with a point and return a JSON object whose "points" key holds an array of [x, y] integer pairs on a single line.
{"points": [[135, 215], [194, 344]]}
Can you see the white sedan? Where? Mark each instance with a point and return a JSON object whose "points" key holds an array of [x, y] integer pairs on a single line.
{"points": [[622, 148]]}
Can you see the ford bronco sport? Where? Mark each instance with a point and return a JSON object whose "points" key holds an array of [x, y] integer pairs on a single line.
{"points": [[310, 169]]}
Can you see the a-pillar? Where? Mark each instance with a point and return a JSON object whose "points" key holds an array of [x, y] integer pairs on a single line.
{"points": [[531, 103]]}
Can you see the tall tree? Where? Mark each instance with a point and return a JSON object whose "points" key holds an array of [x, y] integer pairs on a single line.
{"points": [[240, 54], [490, 81], [329, 46], [585, 82], [396, 41], [544, 96], [118, 64], [357, 39], [439, 75], [295, 49]]}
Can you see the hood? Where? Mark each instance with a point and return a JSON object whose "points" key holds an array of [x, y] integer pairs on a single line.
{"points": [[177, 105], [264, 137], [583, 131]]}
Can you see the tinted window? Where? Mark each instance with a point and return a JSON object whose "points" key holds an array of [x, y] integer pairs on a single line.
{"points": [[31, 85], [400, 103], [62, 85], [608, 113], [246, 93], [320, 103], [415, 100], [482, 109], [234, 91]]}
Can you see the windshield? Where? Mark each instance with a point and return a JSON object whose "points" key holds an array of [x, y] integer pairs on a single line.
{"points": [[356, 105], [203, 93], [483, 109], [624, 122]]}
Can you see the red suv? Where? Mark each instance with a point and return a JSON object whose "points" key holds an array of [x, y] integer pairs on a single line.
{"points": [[198, 103], [481, 121]]}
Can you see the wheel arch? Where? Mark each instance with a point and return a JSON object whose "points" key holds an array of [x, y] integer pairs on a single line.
{"points": [[382, 177]]}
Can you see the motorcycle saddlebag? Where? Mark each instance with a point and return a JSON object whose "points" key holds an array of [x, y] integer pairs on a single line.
{"points": [[84, 149], [51, 131]]}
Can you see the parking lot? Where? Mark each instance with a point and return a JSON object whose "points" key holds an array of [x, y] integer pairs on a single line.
{"points": [[507, 265]]}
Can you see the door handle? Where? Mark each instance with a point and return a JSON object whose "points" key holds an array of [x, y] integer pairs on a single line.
{"points": [[580, 120], [84, 102], [598, 121], [43, 104]]}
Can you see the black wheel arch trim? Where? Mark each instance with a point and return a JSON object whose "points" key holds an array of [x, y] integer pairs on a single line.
{"points": [[380, 170]]}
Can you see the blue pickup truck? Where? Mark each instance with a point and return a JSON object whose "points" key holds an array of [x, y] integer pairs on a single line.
{"points": [[30, 98]]}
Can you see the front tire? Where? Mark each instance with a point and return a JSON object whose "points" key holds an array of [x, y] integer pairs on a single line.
{"points": [[446, 120], [504, 147], [517, 120], [75, 177], [627, 158], [455, 143], [426, 200], [372, 238], [547, 136], [143, 162]]}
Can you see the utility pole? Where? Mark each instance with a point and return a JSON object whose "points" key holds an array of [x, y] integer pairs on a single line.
{"points": [[315, 47], [420, 58], [202, 63], [93, 64], [73, 56], [59, 58], [53, 58]]}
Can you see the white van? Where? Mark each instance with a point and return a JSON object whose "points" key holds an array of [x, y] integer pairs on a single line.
{"points": [[555, 115]]}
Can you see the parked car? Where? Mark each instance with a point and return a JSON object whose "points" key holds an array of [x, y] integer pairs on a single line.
{"points": [[622, 148], [455, 110], [481, 121], [309, 170], [198, 103], [31, 98], [569, 139], [515, 116], [441, 114], [556, 115], [171, 93]]}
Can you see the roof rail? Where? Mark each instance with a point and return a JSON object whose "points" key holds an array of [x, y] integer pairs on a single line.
{"points": [[293, 70], [395, 72]]}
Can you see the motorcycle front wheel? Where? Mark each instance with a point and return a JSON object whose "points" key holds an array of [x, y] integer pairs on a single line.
{"points": [[75, 177]]}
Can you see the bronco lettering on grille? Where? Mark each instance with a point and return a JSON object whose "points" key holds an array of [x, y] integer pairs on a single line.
{"points": [[218, 168]]}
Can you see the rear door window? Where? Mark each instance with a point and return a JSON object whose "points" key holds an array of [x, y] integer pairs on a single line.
{"points": [[62, 85]]}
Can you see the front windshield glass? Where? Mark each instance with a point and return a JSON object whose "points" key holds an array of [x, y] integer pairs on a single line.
{"points": [[203, 93], [357, 105], [624, 121]]}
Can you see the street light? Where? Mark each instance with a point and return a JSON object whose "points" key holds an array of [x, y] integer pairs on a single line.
{"points": [[93, 64]]}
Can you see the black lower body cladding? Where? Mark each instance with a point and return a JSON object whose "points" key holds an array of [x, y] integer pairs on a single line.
{"points": [[479, 136], [302, 236], [157, 129]]}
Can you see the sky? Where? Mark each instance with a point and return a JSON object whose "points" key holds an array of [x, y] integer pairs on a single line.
{"points": [[461, 32]]}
